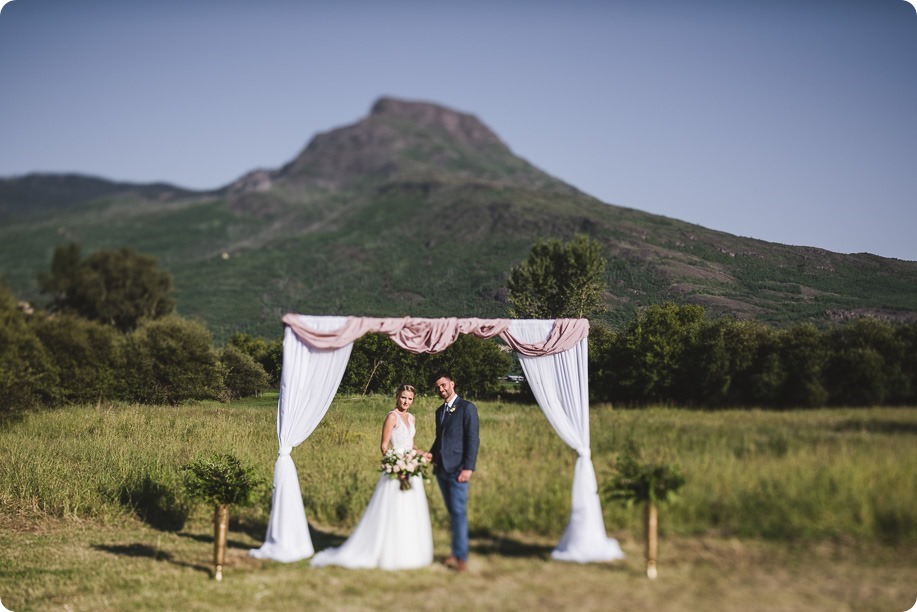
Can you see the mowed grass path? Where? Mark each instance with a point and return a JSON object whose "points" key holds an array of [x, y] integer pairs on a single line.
{"points": [[792, 511]]}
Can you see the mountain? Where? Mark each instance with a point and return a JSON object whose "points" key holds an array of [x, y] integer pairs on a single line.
{"points": [[419, 209]]}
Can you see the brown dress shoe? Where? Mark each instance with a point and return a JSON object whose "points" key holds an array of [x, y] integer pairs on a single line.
{"points": [[451, 562], [461, 566]]}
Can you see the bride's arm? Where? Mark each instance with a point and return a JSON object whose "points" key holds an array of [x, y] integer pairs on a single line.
{"points": [[387, 428]]}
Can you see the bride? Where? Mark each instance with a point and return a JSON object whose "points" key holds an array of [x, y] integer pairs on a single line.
{"points": [[394, 532]]}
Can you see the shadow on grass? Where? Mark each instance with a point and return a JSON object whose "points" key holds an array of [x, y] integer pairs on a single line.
{"points": [[323, 539], [230, 543], [486, 543], [876, 426], [256, 531], [155, 503], [143, 550]]}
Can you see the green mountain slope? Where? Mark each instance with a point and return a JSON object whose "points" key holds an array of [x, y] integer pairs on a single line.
{"points": [[418, 209]]}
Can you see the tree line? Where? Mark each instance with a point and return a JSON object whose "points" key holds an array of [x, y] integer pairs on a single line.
{"points": [[109, 331], [676, 355]]}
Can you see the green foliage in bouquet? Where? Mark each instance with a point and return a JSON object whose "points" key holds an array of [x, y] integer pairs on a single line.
{"points": [[221, 479]]}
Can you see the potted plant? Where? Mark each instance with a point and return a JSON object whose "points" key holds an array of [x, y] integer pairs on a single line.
{"points": [[221, 480], [647, 483]]}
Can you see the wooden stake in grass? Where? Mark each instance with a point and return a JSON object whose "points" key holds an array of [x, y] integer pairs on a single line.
{"points": [[221, 480], [220, 529], [647, 483], [652, 522]]}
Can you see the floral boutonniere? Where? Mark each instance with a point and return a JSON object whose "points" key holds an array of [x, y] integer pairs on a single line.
{"points": [[450, 409]]}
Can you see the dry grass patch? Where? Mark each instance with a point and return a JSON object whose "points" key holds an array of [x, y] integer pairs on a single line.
{"points": [[83, 565]]}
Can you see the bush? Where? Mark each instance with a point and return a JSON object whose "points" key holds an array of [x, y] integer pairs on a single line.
{"points": [[640, 481], [171, 360], [864, 366], [242, 375], [221, 479], [28, 376], [86, 354], [267, 353], [649, 356], [803, 354], [601, 365]]}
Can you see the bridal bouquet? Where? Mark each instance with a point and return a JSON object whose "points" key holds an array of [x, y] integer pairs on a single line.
{"points": [[401, 465]]}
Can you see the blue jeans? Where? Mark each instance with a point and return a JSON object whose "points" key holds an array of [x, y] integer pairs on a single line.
{"points": [[455, 494]]}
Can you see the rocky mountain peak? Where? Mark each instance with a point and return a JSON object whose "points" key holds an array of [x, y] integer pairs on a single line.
{"points": [[461, 126], [399, 138]]}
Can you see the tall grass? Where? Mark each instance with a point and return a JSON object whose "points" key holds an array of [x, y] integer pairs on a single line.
{"points": [[813, 474], [110, 461]]}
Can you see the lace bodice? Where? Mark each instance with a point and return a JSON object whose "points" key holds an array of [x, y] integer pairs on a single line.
{"points": [[403, 433]]}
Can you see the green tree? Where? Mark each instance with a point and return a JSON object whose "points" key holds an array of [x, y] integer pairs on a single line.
{"points": [[171, 360], [28, 376], [803, 355], [242, 375], [88, 357], [650, 354], [864, 364], [378, 365], [558, 280], [268, 353], [906, 336], [602, 342], [118, 288], [758, 372], [710, 365], [477, 366]]}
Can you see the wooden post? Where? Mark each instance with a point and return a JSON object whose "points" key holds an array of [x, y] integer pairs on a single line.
{"points": [[652, 519], [220, 528]]}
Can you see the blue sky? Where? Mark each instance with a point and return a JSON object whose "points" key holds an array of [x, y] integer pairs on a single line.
{"points": [[792, 121]]}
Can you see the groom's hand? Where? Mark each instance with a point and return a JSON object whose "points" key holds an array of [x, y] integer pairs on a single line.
{"points": [[465, 475]]}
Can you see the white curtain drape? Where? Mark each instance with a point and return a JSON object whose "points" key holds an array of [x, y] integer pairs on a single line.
{"points": [[560, 384], [309, 380]]}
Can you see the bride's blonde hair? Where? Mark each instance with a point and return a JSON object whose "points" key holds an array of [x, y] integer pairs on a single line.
{"points": [[405, 388]]}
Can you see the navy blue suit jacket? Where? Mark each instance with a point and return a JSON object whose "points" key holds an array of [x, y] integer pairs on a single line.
{"points": [[456, 445]]}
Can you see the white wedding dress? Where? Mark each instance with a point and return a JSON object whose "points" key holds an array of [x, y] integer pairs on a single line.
{"points": [[394, 532]]}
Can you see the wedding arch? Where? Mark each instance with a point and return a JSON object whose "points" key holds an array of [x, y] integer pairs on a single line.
{"points": [[553, 354]]}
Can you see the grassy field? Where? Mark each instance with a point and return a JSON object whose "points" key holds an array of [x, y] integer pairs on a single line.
{"points": [[793, 511]]}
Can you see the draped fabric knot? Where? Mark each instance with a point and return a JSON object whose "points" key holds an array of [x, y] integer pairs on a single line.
{"points": [[584, 453], [285, 451], [420, 335]]}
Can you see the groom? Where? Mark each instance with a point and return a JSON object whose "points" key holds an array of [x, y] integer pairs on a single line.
{"points": [[454, 451]]}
